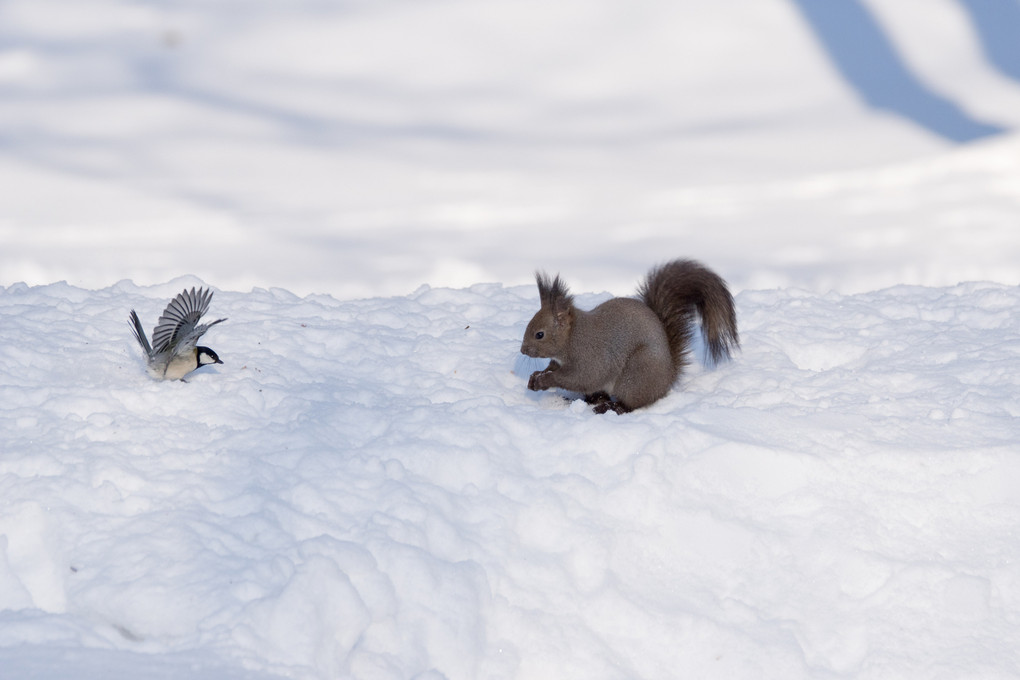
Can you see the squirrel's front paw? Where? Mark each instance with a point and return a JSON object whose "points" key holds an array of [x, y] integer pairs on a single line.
{"points": [[539, 381]]}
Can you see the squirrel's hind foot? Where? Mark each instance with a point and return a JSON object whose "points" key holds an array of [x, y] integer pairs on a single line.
{"points": [[603, 403]]}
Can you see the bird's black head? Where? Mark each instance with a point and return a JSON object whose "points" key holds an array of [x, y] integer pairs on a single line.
{"points": [[207, 356]]}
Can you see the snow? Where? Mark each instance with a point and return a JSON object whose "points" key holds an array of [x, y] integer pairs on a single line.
{"points": [[365, 488]]}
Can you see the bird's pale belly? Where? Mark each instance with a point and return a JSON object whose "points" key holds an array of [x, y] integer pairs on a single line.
{"points": [[179, 367]]}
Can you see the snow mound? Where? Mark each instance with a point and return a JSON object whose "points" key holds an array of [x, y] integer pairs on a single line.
{"points": [[366, 489]]}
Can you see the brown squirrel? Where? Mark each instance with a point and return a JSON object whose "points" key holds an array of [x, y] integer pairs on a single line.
{"points": [[627, 353]]}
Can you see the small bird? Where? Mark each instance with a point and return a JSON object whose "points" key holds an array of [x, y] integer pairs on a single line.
{"points": [[173, 353]]}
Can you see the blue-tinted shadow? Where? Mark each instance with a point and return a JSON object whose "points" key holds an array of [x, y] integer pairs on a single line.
{"points": [[997, 23], [866, 58]]}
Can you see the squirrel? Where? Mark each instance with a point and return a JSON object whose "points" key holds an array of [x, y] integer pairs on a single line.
{"points": [[626, 353]]}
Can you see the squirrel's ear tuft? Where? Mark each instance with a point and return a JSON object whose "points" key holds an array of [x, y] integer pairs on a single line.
{"points": [[542, 279], [552, 291]]}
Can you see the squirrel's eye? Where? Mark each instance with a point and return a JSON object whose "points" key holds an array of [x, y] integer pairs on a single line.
{"points": [[539, 335]]}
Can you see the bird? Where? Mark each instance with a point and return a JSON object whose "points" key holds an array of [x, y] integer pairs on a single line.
{"points": [[174, 353]]}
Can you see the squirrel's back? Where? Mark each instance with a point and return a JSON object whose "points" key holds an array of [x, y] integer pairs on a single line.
{"points": [[608, 334]]}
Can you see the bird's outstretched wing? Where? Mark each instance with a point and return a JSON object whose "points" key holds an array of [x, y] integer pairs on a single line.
{"points": [[179, 323]]}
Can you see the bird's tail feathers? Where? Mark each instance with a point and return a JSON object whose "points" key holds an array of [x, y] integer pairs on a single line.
{"points": [[136, 328]]}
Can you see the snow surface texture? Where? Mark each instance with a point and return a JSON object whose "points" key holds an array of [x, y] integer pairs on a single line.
{"points": [[366, 489]]}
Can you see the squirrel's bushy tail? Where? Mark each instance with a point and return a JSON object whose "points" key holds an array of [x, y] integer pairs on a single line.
{"points": [[675, 290]]}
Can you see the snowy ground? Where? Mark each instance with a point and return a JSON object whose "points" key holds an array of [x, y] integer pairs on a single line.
{"points": [[365, 488]]}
